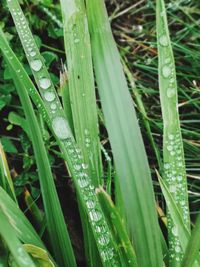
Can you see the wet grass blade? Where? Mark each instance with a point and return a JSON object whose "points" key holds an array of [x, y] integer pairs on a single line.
{"points": [[54, 116], [55, 221], [192, 251], [128, 257], [81, 84], [125, 138], [173, 154]]}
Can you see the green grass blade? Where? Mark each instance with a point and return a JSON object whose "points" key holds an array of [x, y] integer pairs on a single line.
{"points": [[125, 138], [81, 84], [173, 154], [121, 236], [5, 177], [83, 184], [179, 229], [192, 251], [55, 221], [19, 221], [18, 252]]}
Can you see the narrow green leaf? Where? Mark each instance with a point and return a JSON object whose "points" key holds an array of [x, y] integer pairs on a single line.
{"points": [[192, 251], [173, 154], [125, 138], [6, 231], [121, 236], [5, 177], [55, 221], [81, 83], [83, 184]]}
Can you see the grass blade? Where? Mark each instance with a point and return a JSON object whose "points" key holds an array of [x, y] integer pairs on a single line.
{"points": [[81, 84], [55, 221], [124, 245], [5, 178], [18, 252], [83, 184], [173, 154], [125, 138], [192, 251]]}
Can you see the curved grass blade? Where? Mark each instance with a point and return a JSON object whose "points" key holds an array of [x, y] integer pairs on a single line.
{"points": [[125, 138], [121, 236], [192, 251], [5, 178], [55, 221], [173, 154], [81, 84], [7, 233], [19, 221], [83, 184]]}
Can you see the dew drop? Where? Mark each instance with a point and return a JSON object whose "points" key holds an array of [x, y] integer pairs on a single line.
{"points": [[90, 204], [95, 215], [166, 71], [103, 240], [76, 41], [163, 40], [53, 106], [36, 65], [83, 182], [49, 96], [61, 128], [171, 92], [175, 231], [45, 83]]}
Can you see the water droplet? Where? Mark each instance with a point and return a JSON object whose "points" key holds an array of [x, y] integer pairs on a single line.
{"points": [[167, 166], [163, 40], [175, 231], [53, 106], [167, 60], [166, 71], [95, 215], [103, 240], [177, 249], [90, 204], [45, 83], [76, 41], [169, 148], [61, 128], [77, 167], [83, 182], [36, 64], [49, 96], [171, 92]]}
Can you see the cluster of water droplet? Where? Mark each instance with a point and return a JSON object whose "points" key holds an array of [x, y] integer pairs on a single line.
{"points": [[59, 124], [175, 178], [167, 68], [96, 217]]}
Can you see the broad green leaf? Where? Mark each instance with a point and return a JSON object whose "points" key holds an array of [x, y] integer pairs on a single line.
{"points": [[125, 138]]}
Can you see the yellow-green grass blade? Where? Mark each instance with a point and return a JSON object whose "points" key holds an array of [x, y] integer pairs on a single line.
{"points": [[22, 227], [72, 154], [192, 250], [5, 177], [128, 257], [173, 154], [55, 221], [19, 254], [81, 84], [125, 138]]}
